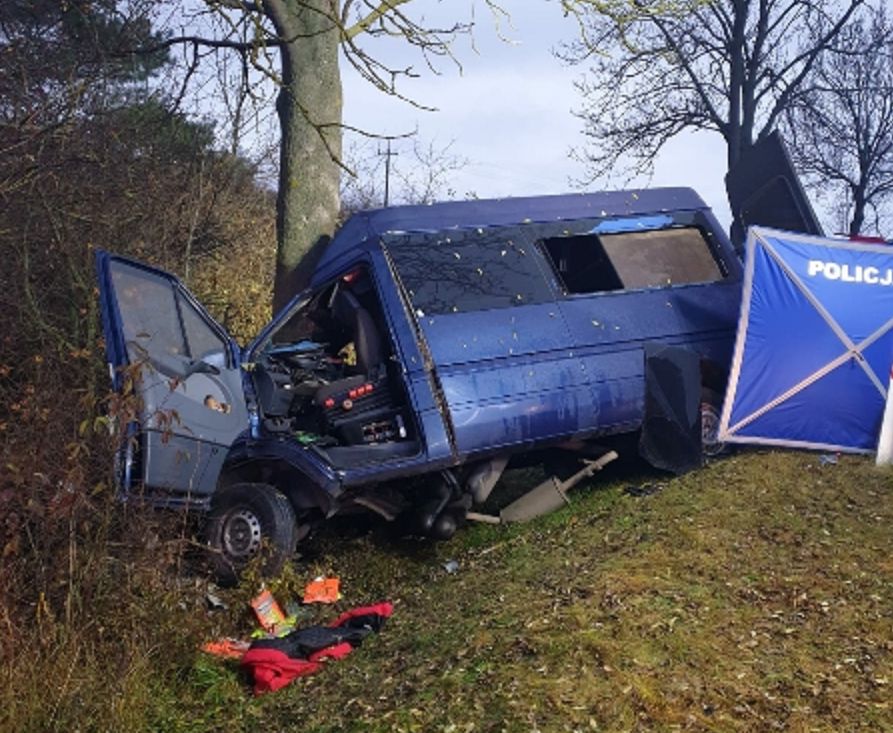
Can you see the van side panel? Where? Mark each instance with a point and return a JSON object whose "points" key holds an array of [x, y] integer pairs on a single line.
{"points": [[611, 328], [520, 360], [509, 375]]}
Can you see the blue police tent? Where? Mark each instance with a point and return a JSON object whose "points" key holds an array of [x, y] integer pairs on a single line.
{"points": [[814, 345]]}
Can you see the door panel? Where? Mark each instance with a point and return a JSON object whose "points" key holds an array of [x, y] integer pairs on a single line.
{"points": [[189, 380], [506, 364]]}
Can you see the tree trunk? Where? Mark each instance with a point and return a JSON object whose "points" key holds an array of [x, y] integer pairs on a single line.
{"points": [[308, 199], [858, 219], [736, 83]]}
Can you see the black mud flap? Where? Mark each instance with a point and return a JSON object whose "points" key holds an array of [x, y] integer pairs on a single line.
{"points": [[671, 428]]}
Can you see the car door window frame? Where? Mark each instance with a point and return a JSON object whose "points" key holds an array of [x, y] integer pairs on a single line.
{"points": [[181, 300]]}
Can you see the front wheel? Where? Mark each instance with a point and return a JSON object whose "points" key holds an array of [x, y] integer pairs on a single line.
{"points": [[247, 520]]}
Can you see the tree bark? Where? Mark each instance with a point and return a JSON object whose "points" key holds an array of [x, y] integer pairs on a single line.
{"points": [[858, 219], [736, 83], [309, 108]]}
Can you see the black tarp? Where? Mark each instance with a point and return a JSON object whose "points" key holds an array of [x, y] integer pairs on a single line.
{"points": [[671, 428]]}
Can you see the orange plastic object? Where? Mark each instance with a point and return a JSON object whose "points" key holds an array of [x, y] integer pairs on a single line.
{"points": [[322, 590], [226, 648], [268, 612]]}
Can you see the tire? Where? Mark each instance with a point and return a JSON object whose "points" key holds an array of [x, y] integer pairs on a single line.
{"points": [[247, 520], [711, 412]]}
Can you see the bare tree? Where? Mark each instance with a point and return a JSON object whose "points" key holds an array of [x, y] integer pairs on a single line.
{"points": [[421, 174], [658, 68], [842, 132], [308, 36], [428, 177]]}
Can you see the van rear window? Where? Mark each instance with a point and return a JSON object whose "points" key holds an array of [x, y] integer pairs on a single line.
{"points": [[632, 260], [467, 271]]}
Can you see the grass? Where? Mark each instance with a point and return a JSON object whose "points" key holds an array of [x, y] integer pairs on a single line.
{"points": [[755, 594]]}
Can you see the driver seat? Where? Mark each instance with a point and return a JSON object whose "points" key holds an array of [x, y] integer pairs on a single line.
{"points": [[348, 311], [348, 403]]}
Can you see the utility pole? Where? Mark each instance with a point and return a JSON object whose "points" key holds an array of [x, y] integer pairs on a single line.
{"points": [[387, 170]]}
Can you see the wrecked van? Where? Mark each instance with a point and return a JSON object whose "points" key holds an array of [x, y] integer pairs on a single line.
{"points": [[437, 341]]}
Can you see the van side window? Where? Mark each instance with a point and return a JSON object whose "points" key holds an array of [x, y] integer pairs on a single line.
{"points": [[468, 271], [632, 260]]}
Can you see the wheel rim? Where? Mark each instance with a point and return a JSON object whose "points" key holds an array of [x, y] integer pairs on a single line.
{"points": [[710, 442], [241, 534]]}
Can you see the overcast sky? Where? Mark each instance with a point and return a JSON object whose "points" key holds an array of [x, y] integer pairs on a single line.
{"points": [[509, 111]]}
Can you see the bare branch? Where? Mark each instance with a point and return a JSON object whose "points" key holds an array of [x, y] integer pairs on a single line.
{"points": [[727, 65], [843, 129], [806, 61], [377, 14]]}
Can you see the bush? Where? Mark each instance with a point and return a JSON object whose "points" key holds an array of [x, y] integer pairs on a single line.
{"points": [[90, 600]]}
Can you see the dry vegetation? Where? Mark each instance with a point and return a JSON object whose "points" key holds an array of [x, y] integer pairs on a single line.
{"points": [[89, 597]]}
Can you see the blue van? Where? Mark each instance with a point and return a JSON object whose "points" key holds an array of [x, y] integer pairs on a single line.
{"points": [[436, 341]]}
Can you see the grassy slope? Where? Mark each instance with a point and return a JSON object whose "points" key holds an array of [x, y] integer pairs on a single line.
{"points": [[756, 594]]}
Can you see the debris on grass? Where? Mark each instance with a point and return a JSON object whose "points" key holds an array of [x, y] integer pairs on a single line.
{"points": [[274, 663], [215, 602], [269, 613], [644, 490], [226, 648], [323, 590]]}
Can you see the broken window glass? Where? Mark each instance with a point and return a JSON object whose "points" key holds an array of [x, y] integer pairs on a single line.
{"points": [[632, 260], [582, 264]]}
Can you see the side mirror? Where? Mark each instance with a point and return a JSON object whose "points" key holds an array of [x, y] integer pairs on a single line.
{"points": [[177, 366], [210, 363], [216, 359]]}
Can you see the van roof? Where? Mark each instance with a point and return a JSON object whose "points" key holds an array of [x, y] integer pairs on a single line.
{"points": [[368, 226]]}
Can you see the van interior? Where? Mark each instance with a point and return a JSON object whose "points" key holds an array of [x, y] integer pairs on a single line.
{"points": [[327, 378]]}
